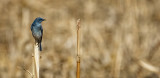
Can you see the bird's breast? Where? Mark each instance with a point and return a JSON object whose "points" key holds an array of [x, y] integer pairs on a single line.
{"points": [[37, 32]]}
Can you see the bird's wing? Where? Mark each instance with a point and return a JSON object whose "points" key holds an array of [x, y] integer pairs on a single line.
{"points": [[42, 30], [32, 26]]}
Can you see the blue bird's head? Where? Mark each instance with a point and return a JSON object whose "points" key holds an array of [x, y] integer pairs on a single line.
{"points": [[39, 19]]}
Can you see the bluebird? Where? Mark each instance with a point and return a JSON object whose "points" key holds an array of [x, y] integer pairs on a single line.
{"points": [[37, 31]]}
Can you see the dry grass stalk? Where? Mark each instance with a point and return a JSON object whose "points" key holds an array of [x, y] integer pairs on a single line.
{"points": [[28, 72], [78, 53], [148, 66], [35, 59], [22, 67]]}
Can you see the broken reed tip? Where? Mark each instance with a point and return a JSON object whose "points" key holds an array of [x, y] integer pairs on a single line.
{"points": [[78, 23]]}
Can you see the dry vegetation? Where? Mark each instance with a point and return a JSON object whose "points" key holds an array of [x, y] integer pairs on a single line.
{"points": [[119, 38]]}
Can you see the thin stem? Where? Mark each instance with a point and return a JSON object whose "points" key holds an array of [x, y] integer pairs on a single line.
{"points": [[36, 61], [78, 52]]}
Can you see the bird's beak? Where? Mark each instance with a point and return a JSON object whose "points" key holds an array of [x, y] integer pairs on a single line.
{"points": [[44, 19]]}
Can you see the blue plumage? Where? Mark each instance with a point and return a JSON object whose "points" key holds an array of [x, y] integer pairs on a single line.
{"points": [[37, 31]]}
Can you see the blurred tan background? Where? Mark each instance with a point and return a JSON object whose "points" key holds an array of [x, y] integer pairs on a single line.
{"points": [[118, 38]]}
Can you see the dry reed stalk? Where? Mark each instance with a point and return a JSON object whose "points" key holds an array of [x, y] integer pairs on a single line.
{"points": [[78, 53], [35, 60], [33, 67]]}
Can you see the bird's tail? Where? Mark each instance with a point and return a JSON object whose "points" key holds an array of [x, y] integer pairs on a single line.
{"points": [[40, 47]]}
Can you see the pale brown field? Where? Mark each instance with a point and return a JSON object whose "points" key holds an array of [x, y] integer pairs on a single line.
{"points": [[119, 38]]}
